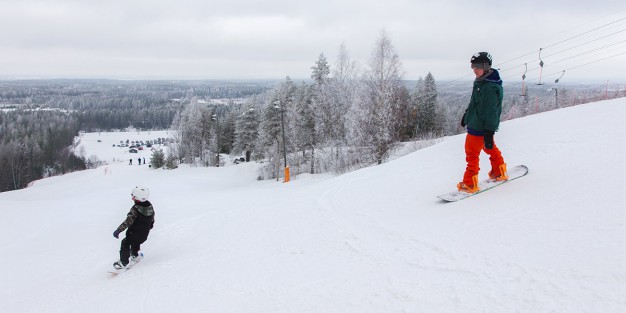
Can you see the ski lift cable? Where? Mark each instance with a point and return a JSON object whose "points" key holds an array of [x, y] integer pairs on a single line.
{"points": [[580, 45], [511, 76], [595, 61], [553, 45], [562, 41], [590, 51], [521, 73], [575, 67], [517, 58], [602, 18], [587, 32], [559, 52], [521, 65]]}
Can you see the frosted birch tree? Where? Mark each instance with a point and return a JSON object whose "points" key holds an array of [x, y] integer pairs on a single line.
{"points": [[192, 127], [343, 90], [305, 124], [376, 128]]}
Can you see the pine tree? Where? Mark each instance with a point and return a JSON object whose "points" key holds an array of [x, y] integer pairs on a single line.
{"points": [[279, 113], [429, 121], [247, 131], [321, 70], [158, 158], [270, 134]]}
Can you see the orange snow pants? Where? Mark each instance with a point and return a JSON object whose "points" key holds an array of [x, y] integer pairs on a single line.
{"points": [[473, 146]]}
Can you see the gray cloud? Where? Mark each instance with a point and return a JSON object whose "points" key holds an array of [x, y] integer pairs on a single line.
{"points": [[271, 39]]}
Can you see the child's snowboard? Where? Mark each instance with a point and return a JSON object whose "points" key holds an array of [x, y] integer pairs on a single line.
{"points": [[514, 173], [114, 272]]}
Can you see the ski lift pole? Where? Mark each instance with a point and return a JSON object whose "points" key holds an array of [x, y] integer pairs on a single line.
{"points": [[279, 105], [556, 91], [523, 79], [217, 131], [541, 67]]}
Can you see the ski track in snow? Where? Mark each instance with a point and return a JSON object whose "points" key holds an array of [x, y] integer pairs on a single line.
{"points": [[374, 240]]}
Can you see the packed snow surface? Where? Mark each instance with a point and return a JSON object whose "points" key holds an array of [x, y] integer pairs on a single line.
{"points": [[374, 240]]}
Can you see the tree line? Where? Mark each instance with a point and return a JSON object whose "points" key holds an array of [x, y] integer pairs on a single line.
{"points": [[348, 116], [36, 144], [343, 118], [103, 105]]}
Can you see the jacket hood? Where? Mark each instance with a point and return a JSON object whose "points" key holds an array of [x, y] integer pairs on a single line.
{"points": [[145, 208], [492, 77]]}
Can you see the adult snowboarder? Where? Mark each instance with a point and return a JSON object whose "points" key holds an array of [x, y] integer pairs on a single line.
{"points": [[482, 118], [139, 221]]}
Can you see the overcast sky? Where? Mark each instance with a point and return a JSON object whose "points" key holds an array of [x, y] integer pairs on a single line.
{"points": [[235, 39]]}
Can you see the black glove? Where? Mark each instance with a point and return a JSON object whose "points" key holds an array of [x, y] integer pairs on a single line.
{"points": [[116, 234], [463, 120], [488, 139]]}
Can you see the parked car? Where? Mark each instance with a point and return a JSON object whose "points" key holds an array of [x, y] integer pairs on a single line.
{"points": [[132, 150]]}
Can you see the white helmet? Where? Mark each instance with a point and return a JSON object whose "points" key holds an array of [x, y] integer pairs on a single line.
{"points": [[140, 194]]}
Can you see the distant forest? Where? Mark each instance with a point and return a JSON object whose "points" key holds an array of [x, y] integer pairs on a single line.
{"points": [[102, 105], [36, 144], [40, 118]]}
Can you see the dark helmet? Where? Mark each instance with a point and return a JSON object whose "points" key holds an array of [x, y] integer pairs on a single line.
{"points": [[481, 60]]}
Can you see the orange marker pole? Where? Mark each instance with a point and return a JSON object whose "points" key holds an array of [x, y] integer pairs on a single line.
{"points": [[286, 174]]}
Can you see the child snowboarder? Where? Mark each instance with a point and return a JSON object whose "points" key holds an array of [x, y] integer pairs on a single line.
{"points": [[482, 118], [139, 221]]}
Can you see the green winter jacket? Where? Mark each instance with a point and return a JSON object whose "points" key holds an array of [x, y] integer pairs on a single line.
{"points": [[485, 107]]}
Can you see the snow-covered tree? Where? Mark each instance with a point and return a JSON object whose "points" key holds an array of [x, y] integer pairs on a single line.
{"points": [[158, 158], [377, 127], [305, 123], [192, 127], [429, 122], [247, 130], [321, 70], [344, 87], [280, 102]]}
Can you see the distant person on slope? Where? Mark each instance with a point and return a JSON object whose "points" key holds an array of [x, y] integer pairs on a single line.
{"points": [[482, 118], [139, 222]]}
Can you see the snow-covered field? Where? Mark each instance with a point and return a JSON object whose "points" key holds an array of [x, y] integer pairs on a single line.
{"points": [[101, 145], [375, 240]]}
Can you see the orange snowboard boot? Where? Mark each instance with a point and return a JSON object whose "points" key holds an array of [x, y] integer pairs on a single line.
{"points": [[462, 186], [503, 174]]}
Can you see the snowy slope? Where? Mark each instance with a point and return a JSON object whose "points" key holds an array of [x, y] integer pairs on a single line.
{"points": [[375, 240]]}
